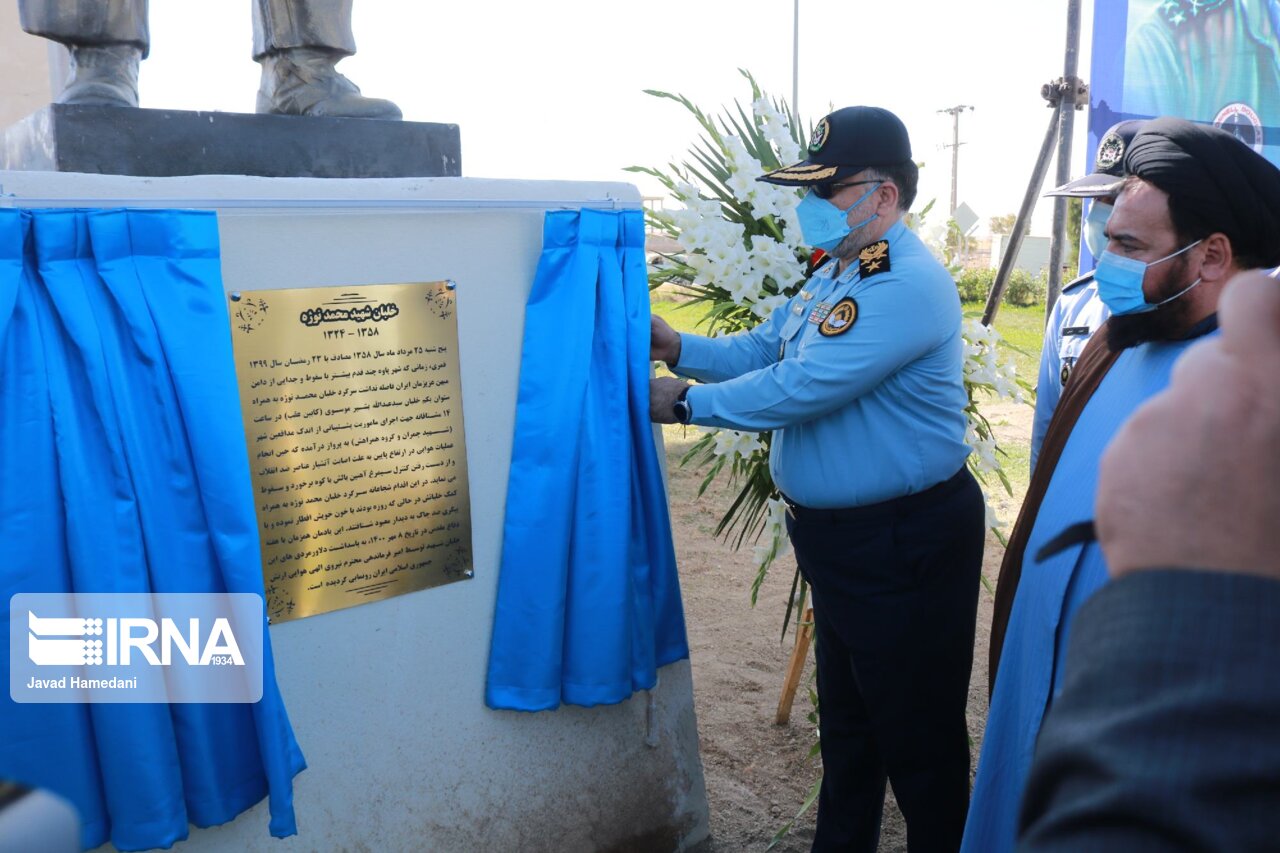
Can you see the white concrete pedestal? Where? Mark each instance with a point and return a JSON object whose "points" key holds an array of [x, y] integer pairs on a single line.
{"points": [[387, 699]]}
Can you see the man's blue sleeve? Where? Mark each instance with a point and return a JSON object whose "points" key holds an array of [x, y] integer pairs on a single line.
{"points": [[1049, 385], [718, 359], [893, 328]]}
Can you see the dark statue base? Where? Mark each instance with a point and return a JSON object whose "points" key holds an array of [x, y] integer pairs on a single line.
{"points": [[169, 143]]}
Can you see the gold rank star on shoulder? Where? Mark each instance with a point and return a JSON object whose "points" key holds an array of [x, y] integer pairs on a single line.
{"points": [[874, 258]]}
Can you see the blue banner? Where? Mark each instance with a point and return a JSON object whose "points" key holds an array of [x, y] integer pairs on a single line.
{"points": [[1210, 61]]}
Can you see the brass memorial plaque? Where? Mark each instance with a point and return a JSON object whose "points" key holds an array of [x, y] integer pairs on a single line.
{"points": [[352, 409]]}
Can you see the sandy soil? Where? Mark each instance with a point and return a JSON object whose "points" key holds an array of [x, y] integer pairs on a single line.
{"points": [[758, 773]]}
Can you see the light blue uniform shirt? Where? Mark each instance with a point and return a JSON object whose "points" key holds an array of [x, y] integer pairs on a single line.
{"points": [[1075, 317], [1049, 594], [860, 417]]}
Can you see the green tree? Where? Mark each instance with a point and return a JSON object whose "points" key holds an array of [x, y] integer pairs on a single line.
{"points": [[1003, 224]]}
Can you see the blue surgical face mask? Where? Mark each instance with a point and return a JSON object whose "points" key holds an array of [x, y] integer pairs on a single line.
{"points": [[823, 225], [1094, 223], [1120, 282]]}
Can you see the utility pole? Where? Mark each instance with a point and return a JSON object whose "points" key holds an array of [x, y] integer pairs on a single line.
{"points": [[954, 112], [1076, 97], [795, 62]]}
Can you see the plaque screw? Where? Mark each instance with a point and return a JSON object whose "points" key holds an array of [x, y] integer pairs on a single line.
{"points": [[235, 296], [451, 285]]}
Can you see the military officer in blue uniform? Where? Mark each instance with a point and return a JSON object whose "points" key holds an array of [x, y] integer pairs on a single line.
{"points": [[860, 377], [1078, 312]]}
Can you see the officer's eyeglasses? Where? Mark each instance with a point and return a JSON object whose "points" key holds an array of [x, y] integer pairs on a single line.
{"points": [[826, 191]]}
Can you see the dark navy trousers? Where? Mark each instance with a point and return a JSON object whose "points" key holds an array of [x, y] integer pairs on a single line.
{"points": [[895, 597]]}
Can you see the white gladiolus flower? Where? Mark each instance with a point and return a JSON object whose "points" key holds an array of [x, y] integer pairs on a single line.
{"points": [[992, 520], [768, 305], [777, 513], [776, 131], [686, 191], [741, 185], [740, 160]]}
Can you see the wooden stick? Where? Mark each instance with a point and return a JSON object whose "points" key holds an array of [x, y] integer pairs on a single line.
{"points": [[795, 667]]}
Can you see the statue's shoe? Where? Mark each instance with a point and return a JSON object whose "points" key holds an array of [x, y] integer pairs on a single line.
{"points": [[105, 76], [303, 82]]}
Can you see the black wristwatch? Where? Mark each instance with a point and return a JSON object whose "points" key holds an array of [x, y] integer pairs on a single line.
{"points": [[681, 407]]}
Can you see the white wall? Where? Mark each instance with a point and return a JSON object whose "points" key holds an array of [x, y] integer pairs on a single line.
{"points": [[24, 69], [1032, 257], [387, 698]]}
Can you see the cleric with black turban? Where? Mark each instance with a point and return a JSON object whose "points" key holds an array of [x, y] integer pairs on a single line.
{"points": [[1197, 208], [1215, 182]]}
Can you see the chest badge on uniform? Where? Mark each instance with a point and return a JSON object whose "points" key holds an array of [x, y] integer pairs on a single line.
{"points": [[1067, 363], [841, 318], [819, 312], [874, 259]]}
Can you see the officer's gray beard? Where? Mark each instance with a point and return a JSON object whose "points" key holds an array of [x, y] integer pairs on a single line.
{"points": [[1167, 323], [853, 243]]}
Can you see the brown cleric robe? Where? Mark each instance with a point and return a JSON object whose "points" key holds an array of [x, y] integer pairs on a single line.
{"points": [[1095, 361]]}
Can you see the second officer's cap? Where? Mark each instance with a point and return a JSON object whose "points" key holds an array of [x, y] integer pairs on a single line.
{"points": [[1108, 164], [844, 143]]}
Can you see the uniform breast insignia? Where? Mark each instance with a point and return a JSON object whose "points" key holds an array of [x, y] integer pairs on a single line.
{"points": [[1179, 12], [819, 312], [1075, 331], [1066, 369], [841, 318], [874, 259]]}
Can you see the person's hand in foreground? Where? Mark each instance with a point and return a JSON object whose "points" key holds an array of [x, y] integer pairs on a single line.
{"points": [[664, 342], [663, 393], [1193, 479]]}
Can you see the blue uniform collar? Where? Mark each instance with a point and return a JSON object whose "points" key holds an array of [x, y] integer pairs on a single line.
{"points": [[828, 268]]}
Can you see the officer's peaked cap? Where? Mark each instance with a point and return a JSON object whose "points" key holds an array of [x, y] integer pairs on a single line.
{"points": [[1108, 164], [846, 142]]}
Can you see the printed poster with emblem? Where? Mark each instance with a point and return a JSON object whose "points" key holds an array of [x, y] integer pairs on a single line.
{"points": [[352, 408], [1211, 61]]}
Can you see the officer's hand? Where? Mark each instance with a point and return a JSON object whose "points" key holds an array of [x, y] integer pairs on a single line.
{"points": [[664, 342], [663, 393], [1190, 481]]}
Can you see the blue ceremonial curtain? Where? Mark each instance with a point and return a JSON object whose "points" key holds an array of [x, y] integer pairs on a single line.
{"points": [[123, 469], [588, 599]]}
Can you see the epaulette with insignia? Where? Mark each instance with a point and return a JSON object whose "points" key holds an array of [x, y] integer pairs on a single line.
{"points": [[1179, 12], [1078, 283], [874, 259]]}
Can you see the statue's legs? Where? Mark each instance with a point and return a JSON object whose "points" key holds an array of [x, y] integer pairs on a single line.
{"points": [[298, 43], [106, 38]]}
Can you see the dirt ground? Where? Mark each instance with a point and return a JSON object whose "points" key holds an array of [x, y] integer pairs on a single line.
{"points": [[758, 773]]}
